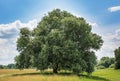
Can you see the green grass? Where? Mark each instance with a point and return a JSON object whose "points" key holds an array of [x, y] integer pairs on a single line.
{"points": [[33, 75], [110, 74]]}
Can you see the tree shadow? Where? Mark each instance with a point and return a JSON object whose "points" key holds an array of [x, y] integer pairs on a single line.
{"points": [[94, 77], [36, 73], [43, 73]]}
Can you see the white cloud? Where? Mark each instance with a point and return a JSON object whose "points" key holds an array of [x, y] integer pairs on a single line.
{"points": [[15, 26], [7, 50], [93, 24], [114, 8], [12, 29], [31, 24], [8, 36], [2, 41], [111, 42]]}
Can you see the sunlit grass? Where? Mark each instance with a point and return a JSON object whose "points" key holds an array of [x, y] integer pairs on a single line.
{"points": [[111, 74], [33, 75]]}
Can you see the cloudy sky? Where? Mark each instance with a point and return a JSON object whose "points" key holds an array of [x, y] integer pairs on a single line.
{"points": [[103, 15]]}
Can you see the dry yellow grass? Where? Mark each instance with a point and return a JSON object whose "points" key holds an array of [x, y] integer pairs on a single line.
{"points": [[12, 71], [41, 78], [33, 75]]}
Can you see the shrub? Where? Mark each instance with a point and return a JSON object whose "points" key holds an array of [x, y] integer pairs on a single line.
{"points": [[112, 66], [100, 67]]}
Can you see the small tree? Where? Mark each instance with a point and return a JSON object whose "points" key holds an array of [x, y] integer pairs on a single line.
{"points": [[117, 58]]}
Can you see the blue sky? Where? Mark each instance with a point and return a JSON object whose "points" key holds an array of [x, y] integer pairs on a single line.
{"points": [[103, 15], [24, 10]]}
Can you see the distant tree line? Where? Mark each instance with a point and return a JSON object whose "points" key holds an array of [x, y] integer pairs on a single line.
{"points": [[106, 62], [9, 66]]}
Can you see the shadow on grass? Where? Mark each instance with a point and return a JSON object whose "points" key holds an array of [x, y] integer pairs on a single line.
{"points": [[36, 73], [94, 77], [43, 73], [63, 74]]}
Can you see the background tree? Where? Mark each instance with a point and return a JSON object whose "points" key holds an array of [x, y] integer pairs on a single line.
{"points": [[60, 41], [11, 66], [1, 66], [117, 58], [105, 62]]}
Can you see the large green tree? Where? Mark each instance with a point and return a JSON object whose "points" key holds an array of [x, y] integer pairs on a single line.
{"points": [[60, 41], [117, 58]]}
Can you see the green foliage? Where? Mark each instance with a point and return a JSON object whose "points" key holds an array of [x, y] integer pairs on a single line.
{"points": [[9, 66], [100, 67], [112, 66], [23, 40], [117, 58], [90, 60], [1, 67], [106, 62], [24, 47], [76, 68], [60, 41]]}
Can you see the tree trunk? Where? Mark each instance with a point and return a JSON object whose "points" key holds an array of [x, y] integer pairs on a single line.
{"points": [[55, 69]]}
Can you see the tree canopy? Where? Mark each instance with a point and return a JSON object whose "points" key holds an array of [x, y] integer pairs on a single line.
{"points": [[60, 41]]}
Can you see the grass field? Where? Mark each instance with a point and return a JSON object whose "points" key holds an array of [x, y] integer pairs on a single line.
{"points": [[33, 75]]}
